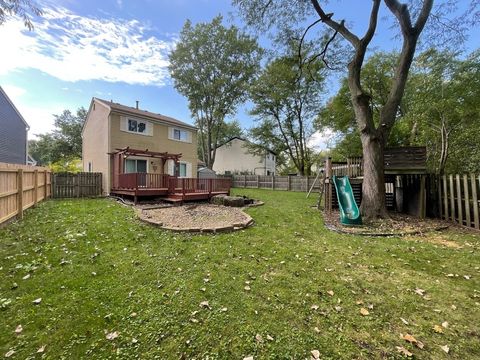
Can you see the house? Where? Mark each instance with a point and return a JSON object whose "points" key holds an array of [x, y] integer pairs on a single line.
{"points": [[233, 157], [13, 132], [141, 153]]}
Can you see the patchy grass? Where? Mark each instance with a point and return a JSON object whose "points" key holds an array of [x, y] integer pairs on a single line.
{"points": [[98, 270]]}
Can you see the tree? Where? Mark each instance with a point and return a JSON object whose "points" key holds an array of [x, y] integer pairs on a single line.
{"points": [[410, 20], [26, 9], [64, 143], [443, 100], [212, 66], [286, 99]]}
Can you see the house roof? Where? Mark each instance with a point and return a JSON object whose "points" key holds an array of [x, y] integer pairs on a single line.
{"points": [[14, 107], [143, 113], [242, 139]]}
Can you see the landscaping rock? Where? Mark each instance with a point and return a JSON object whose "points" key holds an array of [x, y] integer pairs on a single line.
{"points": [[218, 199], [233, 201]]}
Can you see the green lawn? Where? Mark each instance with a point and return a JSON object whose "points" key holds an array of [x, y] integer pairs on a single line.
{"points": [[98, 270]]}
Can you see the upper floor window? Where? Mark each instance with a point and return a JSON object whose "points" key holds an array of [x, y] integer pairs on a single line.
{"points": [[137, 126], [180, 135]]}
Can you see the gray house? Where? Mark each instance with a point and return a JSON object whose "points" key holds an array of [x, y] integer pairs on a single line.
{"points": [[13, 132]]}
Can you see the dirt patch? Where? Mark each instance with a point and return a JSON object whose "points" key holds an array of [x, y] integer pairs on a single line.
{"points": [[437, 239], [197, 218], [396, 225]]}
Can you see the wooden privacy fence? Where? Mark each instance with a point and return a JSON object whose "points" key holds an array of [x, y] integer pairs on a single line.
{"points": [[287, 183], [21, 187], [458, 199], [76, 185]]}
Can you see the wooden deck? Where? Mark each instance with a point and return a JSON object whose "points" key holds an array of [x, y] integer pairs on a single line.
{"points": [[168, 187]]}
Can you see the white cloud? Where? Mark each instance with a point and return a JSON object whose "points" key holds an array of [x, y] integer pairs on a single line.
{"points": [[322, 140], [72, 48], [13, 92]]}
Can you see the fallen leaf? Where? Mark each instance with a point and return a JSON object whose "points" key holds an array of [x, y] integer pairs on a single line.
{"points": [[467, 277], [454, 307], [438, 329], [259, 338], [317, 330], [223, 309], [404, 321], [18, 329], [41, 349], [445, 348], [445, 324], [338, 308], [247, 288], [412, 340], [330, 292], [194, 320], [26, 277], [364, 311], [134, 341], [112, 335], [204, 304], [203, 289], [9, 353], [314, 307], [420, 292], [269, 338], [248, 358], [315, 354], [404, 351], [37, 301]]}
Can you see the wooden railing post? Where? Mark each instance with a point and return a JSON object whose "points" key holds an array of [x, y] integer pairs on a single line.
{"points": [[258, 181], [289, 183], [20, 193]]}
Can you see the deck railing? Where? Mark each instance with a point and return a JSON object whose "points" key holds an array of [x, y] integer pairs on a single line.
{"points": [[172, 183], [143, 181]]}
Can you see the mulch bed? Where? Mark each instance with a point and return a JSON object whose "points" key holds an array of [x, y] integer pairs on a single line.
{"points": [[396, 225], [197, 218]]}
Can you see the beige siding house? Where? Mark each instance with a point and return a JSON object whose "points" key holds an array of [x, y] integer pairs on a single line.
{"points": [[110, 127], [233, 158]]}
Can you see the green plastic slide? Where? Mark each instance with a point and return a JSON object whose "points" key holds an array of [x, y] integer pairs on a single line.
{"points": [[349, 212]]}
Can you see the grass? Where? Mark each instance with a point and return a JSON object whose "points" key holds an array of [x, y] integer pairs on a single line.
{"points": [[99, 270]]}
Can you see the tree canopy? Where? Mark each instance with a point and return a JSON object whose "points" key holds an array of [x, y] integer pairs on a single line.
{"points": [[213, 66], [64, 143], [26, 9]]}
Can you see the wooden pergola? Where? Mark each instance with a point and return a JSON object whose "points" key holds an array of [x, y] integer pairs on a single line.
{"points": [[120, 154]]}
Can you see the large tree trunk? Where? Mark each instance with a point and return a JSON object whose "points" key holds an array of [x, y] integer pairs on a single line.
{"points": [[373, 191]]}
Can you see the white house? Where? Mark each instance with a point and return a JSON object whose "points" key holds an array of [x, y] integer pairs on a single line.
{"points": [[233, 158]]}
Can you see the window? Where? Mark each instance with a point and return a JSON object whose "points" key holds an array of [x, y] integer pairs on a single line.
{"points": [[180, 135], [182, 170], [137, 126], [135, 165]]}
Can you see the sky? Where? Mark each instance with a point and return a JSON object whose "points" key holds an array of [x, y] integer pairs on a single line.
{"points": [[118, 50]]}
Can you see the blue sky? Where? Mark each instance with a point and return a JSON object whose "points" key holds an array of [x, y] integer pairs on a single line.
{"points": [[117, 49]]}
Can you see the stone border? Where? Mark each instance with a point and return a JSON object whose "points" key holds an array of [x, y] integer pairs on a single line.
{"points": [[196, 230]]}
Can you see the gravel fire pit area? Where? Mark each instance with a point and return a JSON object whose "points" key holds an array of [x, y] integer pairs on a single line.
{"points": [[207, 218]]}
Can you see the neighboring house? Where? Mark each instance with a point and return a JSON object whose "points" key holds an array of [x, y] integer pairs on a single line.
{"points": [[118, 139], [233, 158], [13, 132]]}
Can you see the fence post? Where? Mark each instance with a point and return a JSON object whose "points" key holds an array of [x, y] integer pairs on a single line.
{"points": [[20, 193], [467, 201], [452, 198], [445, 197], [273, 182], [289, 183], [459, 199], [258, 181], [244, 181], [307, 183], [35, 187], [45, 192], [476, 220]]}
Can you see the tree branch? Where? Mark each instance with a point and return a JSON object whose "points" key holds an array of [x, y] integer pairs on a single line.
{"points": [[340, 27]]}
